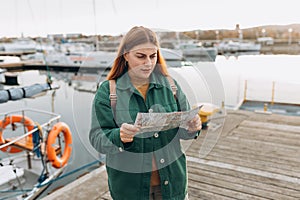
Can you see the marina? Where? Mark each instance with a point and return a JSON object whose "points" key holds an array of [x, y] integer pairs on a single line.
{"points": [[240, 69], [238, 152]]}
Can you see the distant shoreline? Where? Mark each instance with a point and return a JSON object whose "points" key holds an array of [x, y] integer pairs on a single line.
{"points": [[293, 49]]}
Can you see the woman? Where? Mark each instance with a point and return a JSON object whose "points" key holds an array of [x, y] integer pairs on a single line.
{"points": [[141, 165]]}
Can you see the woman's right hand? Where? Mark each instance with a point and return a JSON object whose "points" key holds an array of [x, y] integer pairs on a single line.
{"points": [[127, 132]]}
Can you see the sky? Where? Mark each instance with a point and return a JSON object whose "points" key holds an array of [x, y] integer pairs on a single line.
{"points": [[114, 17]]}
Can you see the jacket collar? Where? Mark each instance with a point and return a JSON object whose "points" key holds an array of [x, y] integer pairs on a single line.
{"points": [[157, 80]]}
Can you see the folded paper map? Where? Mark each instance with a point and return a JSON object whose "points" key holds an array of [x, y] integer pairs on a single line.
{"points": [[149, 122]]}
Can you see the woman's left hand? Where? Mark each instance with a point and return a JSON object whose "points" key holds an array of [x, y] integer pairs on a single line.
{"points": [[194, 124]]}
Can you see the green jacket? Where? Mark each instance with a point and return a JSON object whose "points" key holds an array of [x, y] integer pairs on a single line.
{"points": [[129, 164]]}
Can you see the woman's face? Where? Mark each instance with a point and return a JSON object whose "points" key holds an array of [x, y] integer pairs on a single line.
{"points": [[141, 61]]}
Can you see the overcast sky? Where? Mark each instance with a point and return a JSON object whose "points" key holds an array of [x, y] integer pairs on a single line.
{"points": [[42, 17]]}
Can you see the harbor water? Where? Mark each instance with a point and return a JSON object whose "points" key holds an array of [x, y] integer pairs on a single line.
{"points": [[73, 100], [263, 78]]}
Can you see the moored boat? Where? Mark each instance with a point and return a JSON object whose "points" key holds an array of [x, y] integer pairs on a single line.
{"points": [[193, 51], [196, 52], [232, 46], [35, 149]]}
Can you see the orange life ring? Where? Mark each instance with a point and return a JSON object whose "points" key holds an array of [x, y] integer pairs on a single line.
{"points": [[57, 161], [27, 122]]}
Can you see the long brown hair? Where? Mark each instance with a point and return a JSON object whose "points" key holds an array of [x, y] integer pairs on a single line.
{"points": [[136, 36]]}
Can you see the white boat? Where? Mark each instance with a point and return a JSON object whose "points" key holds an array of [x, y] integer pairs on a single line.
{"points": [[19, 45], [97, 59], [197, 52], [101, 59], [9, 59], [232, 46], [174, 58], [35, 149], [75, 47], [51, 58], [192, 51], [104, 59]]}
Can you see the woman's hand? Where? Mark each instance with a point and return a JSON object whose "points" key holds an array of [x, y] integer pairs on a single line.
{"points": [[194, 124], [127, 132]]}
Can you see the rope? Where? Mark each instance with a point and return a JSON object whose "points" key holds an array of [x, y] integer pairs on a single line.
{"points": [[68, 174], [49, 78], [9, 191], [14, 195]]}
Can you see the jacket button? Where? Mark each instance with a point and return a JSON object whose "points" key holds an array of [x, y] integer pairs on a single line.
{"points": [[162, 161], [166, 182], [156, 135]]}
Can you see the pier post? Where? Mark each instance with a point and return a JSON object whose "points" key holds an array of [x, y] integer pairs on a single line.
{"points": [[245, 91], [265, 107], [273, 93]]}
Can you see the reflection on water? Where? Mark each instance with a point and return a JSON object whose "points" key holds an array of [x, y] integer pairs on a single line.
{"points": [[260, 71], [221, 81]]}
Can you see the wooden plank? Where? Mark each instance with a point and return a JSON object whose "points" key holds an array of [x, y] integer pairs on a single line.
{"points": [[219, 190], [248, 179], [257, 150], [248, 146], [291, 179], [276, 119], [256, 136], [233, 119], [238, 187], [23, 143], [260, 147], [281, 163], [241, 184], [11, 65], [271, 126], [199, 194], [244, 160], [17, 53], [272, 135]]}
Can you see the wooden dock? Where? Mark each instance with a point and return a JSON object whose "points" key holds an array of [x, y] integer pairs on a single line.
{"points": [[257, 156]]}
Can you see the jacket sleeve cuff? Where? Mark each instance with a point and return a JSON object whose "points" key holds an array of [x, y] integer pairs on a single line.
{"points": [[116, 140]]}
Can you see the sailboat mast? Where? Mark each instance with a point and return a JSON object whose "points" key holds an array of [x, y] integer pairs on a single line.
{"points": [[95, 26]]}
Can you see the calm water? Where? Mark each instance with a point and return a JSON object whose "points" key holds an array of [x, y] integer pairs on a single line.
{"points": [[260, 71], [222, 81]]}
